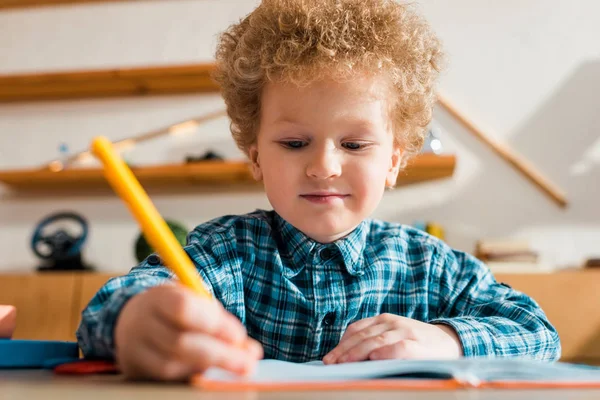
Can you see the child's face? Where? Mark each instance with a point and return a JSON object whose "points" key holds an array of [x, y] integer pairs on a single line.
{"points": [[325, 153]]}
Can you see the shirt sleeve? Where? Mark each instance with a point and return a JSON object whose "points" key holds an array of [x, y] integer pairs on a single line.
{"points": [[95, 334], [490, 318]]}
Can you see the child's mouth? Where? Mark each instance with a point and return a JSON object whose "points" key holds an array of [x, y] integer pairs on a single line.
{"points": [[325, 198]]}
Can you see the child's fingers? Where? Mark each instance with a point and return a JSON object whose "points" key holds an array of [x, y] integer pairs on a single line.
{"points": [[186, 347], [184, 309], [350, 341], [204, 352], [188, 312], [358, 326], [173, 343], [143, 361], [404, 349], [232, 330], [162, 336], [362, 350], [255, 349]]}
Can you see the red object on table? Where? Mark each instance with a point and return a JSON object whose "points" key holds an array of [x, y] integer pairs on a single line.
{"points": [[86, 367]]}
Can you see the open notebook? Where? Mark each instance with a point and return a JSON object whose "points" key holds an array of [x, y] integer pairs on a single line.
{"points": [[405, 374]]}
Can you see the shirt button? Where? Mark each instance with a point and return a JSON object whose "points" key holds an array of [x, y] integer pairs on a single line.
{"points": [[329, 319], [153, 259], [325, 254]]}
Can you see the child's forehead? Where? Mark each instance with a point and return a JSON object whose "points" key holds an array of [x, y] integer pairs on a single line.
{"points": [[362, 87], [344, 101], [356, 105]]}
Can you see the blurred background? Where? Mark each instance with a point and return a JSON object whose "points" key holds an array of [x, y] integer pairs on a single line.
{"points": [[525, 72]]}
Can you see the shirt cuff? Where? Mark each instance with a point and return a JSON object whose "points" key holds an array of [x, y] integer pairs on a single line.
{"points": [[99, 341], [475, 338]]}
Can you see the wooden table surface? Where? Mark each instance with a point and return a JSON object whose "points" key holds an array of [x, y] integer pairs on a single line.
{"points": [[38, 384]]}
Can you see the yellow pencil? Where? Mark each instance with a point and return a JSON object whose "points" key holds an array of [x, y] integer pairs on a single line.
{"points": [[154, 227]]}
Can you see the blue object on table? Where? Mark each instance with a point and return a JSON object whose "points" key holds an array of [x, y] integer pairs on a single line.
{"points": [[16, 354], [55, 362]]}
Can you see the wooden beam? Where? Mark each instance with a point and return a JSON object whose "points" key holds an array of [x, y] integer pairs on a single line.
{"points": [[190, 124], [108, 83], [524, 167]]}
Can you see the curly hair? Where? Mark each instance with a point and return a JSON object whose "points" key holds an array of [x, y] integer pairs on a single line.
{"points": [[302, 41]]}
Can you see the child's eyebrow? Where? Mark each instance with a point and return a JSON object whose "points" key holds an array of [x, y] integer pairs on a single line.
{"points": [[286, 120], [362, 124]]}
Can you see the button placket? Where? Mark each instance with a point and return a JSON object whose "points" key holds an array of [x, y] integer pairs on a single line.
{"points": [[325, 281], [324, 276], [329, 319], [323, 253], [154, 259]]}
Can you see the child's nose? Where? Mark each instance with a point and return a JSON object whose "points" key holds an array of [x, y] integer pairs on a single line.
{"points": [[324, 164]]}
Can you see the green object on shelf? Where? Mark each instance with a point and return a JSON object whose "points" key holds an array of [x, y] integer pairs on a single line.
{"points": [[143, 248]]}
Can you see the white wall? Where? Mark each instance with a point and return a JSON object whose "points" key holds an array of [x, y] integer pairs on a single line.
{"points": [[526, 71]]}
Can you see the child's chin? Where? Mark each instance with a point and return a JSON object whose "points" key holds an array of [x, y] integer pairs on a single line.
{"points": [[323, 228]]}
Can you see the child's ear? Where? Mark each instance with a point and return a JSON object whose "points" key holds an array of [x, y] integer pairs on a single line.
{"points": [[253, 155], [392, 174]]}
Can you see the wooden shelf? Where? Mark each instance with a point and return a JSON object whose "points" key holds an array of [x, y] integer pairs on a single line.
{"points": [[205, 174], [37, 3], [427, 167], [195, 78]]}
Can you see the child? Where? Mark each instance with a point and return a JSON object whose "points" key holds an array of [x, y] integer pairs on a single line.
{"points": [[328, 99]]}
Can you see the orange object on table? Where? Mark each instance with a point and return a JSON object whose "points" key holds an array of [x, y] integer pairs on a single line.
{"points": [[8, 321]]}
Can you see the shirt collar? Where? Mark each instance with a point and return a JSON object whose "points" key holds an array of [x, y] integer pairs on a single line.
{"points": [[352, 248], [300, 247], [296, 245]]}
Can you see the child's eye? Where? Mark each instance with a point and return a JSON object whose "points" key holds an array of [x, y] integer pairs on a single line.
{"points": [[294, 144], [352, 145]]}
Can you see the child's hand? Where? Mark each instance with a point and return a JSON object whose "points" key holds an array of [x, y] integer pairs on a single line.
{"points": [[170, 333], [389, 336]]}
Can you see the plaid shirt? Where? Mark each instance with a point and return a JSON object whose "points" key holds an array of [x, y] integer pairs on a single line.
{"points": [[297, 296]]}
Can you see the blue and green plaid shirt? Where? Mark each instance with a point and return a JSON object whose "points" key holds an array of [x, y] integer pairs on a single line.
{"points": [[297, 296]]}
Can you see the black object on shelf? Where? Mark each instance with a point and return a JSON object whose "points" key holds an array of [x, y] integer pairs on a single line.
{"points": [[208, 156], [60, 249]]}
